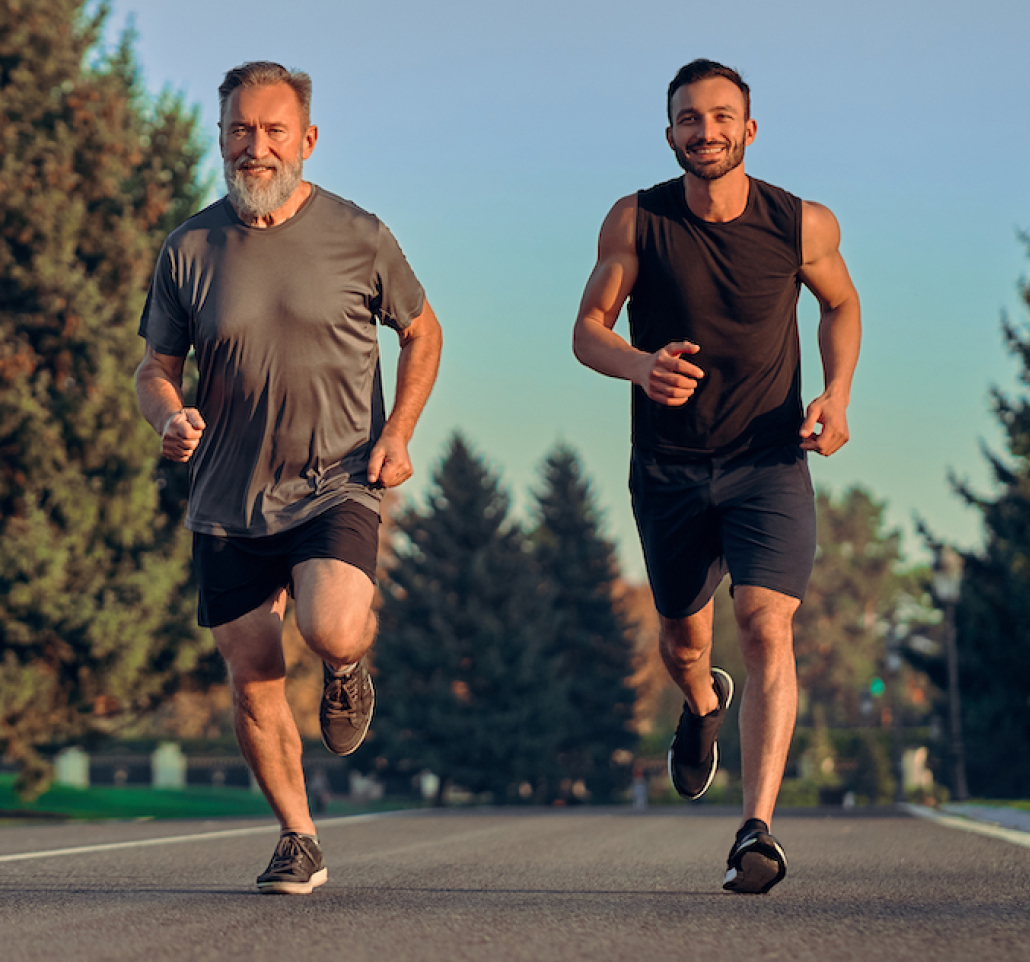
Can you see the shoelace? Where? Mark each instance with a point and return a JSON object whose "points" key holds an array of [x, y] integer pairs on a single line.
{"points": [[342, 694], [286, 852]]}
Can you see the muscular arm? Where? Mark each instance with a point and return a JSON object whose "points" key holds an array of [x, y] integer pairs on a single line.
{"points": [[840, 328], [421, 343], [159, 392], [664, 375]]}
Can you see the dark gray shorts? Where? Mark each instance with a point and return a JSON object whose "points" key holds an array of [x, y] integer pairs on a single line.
{"points": [[751, 515], [236, 575]]}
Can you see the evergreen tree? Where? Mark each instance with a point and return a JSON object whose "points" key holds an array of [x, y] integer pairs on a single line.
{"points": [[993, 617], [94, 621], [466, 685], [591, 636], [855, 589]]}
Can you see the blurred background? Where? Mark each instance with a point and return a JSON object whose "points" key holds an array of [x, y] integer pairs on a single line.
{"points": [[493, 141]]}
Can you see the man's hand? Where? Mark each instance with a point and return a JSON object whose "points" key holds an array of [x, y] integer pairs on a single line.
{"points": [[389, 464], [831, 413], [667, 378], [182, 433]]}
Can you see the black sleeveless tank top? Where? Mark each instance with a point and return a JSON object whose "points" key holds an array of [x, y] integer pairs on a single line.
{"points": [[731, 288]]}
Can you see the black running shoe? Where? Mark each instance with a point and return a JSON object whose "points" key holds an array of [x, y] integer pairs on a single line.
{"points": [[346, 710], [757, 861], [296, 867], [694, 753]]}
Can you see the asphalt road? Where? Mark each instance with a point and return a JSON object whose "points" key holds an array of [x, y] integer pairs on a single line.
{"points": [[516, 885]]}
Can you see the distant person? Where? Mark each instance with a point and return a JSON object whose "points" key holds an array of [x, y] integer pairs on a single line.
{"points": [[712, 264], [277, 288]]}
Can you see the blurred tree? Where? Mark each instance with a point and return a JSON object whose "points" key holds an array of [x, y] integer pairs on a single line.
{"points": [[993, 617], [94, 619], [856, 587], [590, 633], [468, 686]]}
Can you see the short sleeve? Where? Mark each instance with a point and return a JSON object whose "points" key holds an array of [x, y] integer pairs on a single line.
{"points": [[164, 323], [399, 297]]}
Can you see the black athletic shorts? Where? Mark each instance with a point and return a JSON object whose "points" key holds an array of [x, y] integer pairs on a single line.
{"points": [[237, 575], [751, 515]]}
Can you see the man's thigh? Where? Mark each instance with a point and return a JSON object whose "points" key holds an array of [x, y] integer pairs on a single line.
{"points": [[333, 573], [333, 598], [251, 644]]}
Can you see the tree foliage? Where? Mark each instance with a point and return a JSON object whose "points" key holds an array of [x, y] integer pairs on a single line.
{"points": [[591, 637], [856, 588], [468, 685], [993, 617], [94, 621]]}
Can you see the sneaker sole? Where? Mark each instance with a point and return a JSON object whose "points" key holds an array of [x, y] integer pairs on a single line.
{"points": [[758, 873], [727, 682], [295, 888], [368, 724]]}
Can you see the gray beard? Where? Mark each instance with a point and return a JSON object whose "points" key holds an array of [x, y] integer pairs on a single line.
{"points": [[734, 158], [255, 200]]}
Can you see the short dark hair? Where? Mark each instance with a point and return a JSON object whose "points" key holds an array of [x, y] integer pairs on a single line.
{"points": [[701, 70], [264, 73]]}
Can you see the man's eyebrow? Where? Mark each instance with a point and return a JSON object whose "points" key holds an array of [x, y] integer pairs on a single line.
{"points": [[719, 108]]}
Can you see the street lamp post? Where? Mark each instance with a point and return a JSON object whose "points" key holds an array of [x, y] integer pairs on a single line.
{"points": [[893, 664], [947, 584]]}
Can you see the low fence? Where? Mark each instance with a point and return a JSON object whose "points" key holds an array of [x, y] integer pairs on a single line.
{"points": [[169, 767]]}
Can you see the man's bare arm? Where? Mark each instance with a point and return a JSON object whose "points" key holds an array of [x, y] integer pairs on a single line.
{"points": [[840, 329], [664, 375], [159, 392], [421, 344]]}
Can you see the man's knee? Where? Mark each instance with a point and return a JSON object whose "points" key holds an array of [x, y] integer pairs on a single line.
{"points": [[685, 640], [252, 648], [339, 634], [765, 620]]}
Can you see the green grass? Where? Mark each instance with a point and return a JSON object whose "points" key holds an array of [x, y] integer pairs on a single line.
{"points": [[104, 802]]}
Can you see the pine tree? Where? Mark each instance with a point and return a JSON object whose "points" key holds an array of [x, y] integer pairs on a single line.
{"points": [[94, 621], [856, 586], [592, 638], [993, 617], [466, 687]]}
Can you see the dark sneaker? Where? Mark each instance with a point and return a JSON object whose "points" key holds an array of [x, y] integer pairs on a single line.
{"points": [[346, 710], [694, 753], [757, 861], [296, 867]]}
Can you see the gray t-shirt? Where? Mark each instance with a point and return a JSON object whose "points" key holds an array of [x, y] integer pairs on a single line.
{"points": [[282, 320]]}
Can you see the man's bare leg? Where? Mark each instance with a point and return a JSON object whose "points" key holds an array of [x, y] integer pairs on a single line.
{"points": [[768, 708], [335, 618], [265, 729], [334, 610], [686, 649]]}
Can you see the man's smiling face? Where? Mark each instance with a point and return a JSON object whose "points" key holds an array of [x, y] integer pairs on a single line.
{"points": [[710, 128], [264, 145]]}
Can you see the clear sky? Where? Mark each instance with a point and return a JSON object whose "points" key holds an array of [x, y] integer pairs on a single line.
{"points": [[493, 139]]}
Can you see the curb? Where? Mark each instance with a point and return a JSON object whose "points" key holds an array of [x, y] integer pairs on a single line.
{"points": [[967, 824]]}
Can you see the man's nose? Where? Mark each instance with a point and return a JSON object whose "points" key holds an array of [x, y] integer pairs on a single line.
{"points": [[257, 143], [707, 129]]}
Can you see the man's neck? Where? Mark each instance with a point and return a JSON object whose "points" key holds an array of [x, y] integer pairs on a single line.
{"points": [[297, 200], [718, 201]]}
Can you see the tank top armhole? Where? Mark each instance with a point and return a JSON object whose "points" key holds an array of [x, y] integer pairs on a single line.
{"points": [[800, 218], [637, 222]]}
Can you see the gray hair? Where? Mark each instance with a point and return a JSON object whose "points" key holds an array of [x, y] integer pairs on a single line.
{"points": [[264, 73]]}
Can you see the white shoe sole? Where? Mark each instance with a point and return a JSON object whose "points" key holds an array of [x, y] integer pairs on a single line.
{"points": [[295, 888]]}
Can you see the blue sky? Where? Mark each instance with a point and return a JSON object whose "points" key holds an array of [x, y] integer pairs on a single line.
{"points": [[493, 140]]}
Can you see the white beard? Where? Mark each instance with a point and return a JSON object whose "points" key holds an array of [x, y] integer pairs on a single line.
{"points": [[253, 199]]}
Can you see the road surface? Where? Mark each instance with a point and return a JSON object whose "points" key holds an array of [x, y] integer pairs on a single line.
{"points": [[504, 884]]}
